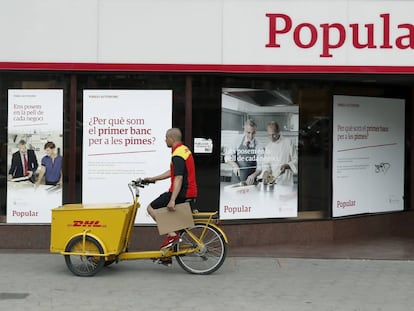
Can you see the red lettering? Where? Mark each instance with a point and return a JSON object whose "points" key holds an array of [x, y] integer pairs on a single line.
{"points": [[370, 36], [386, 32], [273, 31], [77, 223], [326, 44], [334, 35], [313, 35], [410, 37], [86, 223]]}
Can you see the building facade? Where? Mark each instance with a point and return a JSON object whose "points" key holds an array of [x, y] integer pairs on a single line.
{"points": [[336, 76]]}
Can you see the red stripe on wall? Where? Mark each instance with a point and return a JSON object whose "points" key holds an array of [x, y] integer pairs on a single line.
{"points": [[204, 68]]}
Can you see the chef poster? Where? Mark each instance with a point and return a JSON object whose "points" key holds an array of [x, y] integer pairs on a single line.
{"points": [[258, 169], [35, 120], [368, 155], [124, 139]]}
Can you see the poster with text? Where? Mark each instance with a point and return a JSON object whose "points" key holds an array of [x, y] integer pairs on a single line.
{"points": [[259, 164], [124, 139], [35, 118], [368, 155]]}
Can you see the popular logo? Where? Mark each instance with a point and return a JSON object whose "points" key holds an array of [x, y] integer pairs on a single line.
{"points": [[379, 34]]}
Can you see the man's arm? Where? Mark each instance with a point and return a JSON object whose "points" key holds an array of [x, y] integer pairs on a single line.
{"points": [[259, 164], [178, 182], [34, 164], [13, 167], [293, 163], [179, 171], [230, 158], [162, 176], [252, 177], [41, 174]]}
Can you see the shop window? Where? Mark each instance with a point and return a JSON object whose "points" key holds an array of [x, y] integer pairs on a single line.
{"points": [[310, 126]]}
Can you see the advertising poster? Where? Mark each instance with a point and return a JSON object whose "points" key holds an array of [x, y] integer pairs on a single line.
{"points": [[124, 139], [35, 154], [258, 168], [368, 155]]}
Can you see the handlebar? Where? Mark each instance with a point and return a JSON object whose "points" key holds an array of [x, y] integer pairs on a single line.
{"points": [[134, 186], [141, 182]]}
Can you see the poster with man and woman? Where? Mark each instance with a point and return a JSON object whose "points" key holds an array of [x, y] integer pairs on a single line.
{"points": [[35, 154]]}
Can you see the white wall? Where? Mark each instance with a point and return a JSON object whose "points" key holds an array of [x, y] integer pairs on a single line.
{"points": [[215, 32]]}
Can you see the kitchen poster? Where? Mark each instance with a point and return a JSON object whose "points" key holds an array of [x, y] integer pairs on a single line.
{"points": [[124, 139], [35, 154], [368, 155], [259, 165]]}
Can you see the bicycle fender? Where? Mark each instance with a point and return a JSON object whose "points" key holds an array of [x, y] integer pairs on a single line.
{"points": [[85, 233], [197, 222]]}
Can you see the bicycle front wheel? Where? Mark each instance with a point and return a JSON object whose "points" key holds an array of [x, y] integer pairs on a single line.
{"points": [[211, 255], [84, 265]]}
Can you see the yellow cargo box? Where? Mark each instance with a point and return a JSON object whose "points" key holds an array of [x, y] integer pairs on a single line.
{"points": [[108, 223]]}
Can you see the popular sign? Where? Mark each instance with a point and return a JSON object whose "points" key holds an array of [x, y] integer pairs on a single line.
{"points": [[335, 35]]}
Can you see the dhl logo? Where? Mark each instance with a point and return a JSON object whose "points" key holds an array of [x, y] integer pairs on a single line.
{"points": [[86, 223]]}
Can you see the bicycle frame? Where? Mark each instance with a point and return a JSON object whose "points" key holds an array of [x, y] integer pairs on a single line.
{"points": [[200, 218]]}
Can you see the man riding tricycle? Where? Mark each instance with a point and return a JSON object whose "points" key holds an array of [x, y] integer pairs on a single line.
{"points": [[93, 236]]}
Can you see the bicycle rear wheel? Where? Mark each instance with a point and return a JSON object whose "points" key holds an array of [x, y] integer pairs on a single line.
{"points": [[210, 257]]}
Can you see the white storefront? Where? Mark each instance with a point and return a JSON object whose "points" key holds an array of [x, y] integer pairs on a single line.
{"points": [[224, 37]]}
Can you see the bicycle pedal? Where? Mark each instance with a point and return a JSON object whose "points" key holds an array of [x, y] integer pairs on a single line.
{"points": [[175, 242], [165, 262]]}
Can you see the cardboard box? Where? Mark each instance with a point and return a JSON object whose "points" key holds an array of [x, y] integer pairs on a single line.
{"points": [[168, 221]]}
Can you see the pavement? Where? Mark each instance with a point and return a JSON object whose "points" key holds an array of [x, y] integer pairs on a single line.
{"points": [[41, 281]]}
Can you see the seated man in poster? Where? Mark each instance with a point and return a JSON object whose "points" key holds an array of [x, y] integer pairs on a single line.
{"points": [[24, 163]]}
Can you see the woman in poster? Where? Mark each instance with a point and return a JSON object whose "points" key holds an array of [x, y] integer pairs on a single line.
{"points": [[51, 166]]}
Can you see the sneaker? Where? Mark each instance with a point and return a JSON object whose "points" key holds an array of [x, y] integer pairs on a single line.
{"points": [[170, 241]]}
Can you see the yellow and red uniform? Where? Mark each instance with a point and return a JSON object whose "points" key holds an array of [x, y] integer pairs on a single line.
{"points": [[182, 164]]}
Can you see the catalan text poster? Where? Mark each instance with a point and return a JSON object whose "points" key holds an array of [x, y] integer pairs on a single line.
{"points": [[124, 139], [35, 154], [259, 163], [368, 155]]}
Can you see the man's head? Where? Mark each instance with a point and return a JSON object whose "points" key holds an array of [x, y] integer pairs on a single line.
{"points": [[22, 146], [273, 131], [249, 129], [173, 136]]}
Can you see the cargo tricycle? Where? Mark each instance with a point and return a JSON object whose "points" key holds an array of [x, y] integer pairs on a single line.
{"points": [[93, 236]]}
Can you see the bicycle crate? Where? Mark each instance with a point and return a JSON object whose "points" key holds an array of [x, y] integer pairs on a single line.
{"points": [[109, 223]]}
